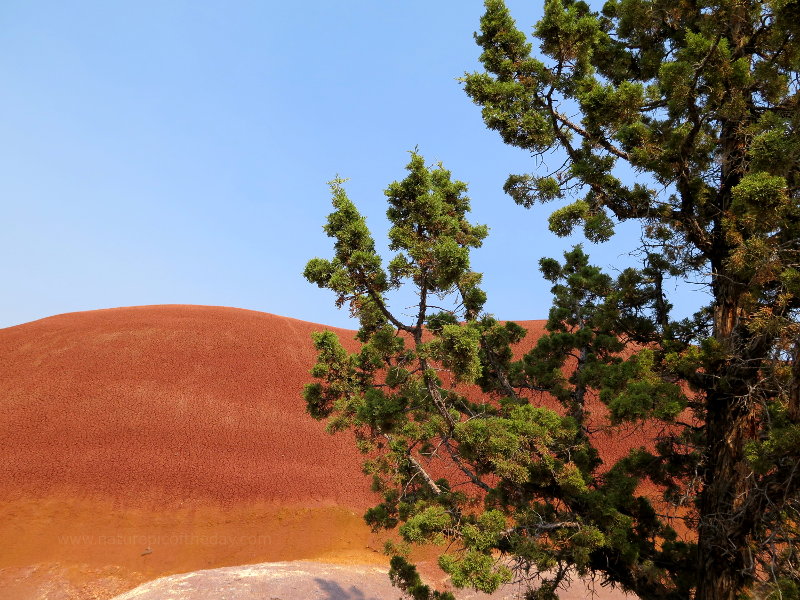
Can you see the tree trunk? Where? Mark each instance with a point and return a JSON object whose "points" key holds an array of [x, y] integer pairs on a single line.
{"points": [[724, 564], [722, 540]]}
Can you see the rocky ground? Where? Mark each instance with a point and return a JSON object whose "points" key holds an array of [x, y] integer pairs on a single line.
{"points": [[308, 581]]}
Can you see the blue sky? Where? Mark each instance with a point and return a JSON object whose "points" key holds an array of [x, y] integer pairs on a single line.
{"points": [[163, 152]]}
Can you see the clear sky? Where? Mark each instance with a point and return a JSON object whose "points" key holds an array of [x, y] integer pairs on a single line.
{"points": [[177, 152]]}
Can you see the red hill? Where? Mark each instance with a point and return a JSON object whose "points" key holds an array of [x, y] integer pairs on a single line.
{"points": [[168, 403], [146, 441]]}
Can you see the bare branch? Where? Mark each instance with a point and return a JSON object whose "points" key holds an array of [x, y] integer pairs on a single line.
{"points": [[464, 469], [418, 468]]}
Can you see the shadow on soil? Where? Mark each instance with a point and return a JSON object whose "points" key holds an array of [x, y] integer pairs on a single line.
{"points": [[335, 591]]}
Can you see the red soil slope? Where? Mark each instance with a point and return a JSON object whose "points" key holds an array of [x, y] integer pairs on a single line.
{"points": [[144, 441], [166, 404]]}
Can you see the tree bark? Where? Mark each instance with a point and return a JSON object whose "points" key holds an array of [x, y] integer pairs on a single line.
{"points": [[722, 560], [726, 522]]}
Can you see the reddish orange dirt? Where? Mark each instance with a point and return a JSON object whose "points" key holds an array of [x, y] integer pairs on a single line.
{"points": [[155, 440], [145, 441]]}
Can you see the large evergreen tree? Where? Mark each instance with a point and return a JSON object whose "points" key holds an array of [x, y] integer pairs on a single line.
{"points": [[701, 100]]}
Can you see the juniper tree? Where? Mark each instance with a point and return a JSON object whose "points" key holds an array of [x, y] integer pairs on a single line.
{"points": [[701, 101]]}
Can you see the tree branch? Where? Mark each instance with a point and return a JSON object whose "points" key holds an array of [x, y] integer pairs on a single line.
{"points": [[542, 527], [604, 143], [385, 311], [464, 469]]}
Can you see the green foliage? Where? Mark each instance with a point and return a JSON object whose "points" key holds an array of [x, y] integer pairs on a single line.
{"points": [[544, 504], [404, 576], [458, 347], [700, 101], [474, 569]]}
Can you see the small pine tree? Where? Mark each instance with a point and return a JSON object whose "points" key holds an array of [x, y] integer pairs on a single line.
{"points": [[548, 507]]}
